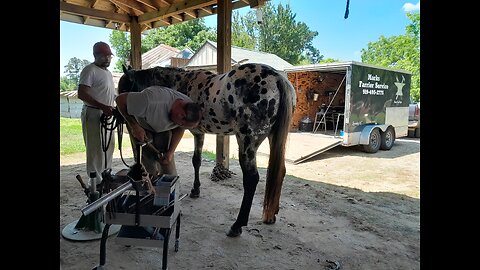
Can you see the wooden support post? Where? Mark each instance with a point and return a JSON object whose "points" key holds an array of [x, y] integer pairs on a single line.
{"points": [[136, 44], [224, 64]]}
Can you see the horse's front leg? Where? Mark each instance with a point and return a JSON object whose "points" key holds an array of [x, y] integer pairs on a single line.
{"points": [[197, 162]]}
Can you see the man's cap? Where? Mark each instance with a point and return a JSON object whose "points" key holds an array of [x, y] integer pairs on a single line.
{"points": [[102, 48]]}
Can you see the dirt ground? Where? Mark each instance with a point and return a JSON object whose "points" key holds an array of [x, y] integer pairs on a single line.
{"points": [[359, 210]]}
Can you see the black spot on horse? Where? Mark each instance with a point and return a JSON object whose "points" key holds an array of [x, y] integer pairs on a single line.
{"points": [[214, 120], [214, 100], [262, 108], [218, 92], [233, 113], [230, 99], [267, 72], [264, 90], [257, 79], [224, 123], [263, 82], [200, 85], [222, 76], [230, 74], [229, 86], [247, 142], [240, 82], [271, 107], [245, 130], [212, 112]]}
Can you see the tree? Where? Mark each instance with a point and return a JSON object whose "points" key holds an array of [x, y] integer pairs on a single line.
{"points": [[66, 84], [121, 43], [279, 33], [401, 52], [74, 67]]}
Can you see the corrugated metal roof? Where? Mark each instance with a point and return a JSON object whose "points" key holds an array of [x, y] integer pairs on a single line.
{"points": [[242, 56], [69, 93], [158, 54]]}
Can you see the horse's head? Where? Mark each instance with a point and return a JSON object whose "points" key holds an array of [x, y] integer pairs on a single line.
{"points": [[127, 82], [137, 80]]}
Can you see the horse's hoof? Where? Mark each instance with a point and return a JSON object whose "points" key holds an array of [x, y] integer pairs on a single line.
{"points": [[234, 233], [194, 193], [269, 220]]}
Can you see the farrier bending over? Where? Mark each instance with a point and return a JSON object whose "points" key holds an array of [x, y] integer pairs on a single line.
{"points": [[165, 113]]}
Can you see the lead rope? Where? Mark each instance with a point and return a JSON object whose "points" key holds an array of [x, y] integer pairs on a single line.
{"points": [[108, 125]]}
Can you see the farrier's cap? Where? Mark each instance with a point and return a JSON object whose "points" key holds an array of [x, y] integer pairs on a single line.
{"points": [[102, 48]]}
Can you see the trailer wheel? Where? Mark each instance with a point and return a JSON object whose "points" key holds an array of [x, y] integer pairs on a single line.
{"points": [[374, 142], [388, 138], [417, 133]]}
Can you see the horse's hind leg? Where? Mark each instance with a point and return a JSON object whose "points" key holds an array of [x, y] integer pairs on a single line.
{"points": [[248, 162], [197, 162]]}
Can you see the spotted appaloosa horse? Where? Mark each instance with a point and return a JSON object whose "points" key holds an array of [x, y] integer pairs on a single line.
{"points": [[252, 102]]}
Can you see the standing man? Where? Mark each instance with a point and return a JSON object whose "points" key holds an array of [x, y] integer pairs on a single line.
{"points": [[161, 114], [97, 91]]}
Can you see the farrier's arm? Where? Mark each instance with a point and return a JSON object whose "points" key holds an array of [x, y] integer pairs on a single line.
{"points": [[177, 134], [137, 131]]}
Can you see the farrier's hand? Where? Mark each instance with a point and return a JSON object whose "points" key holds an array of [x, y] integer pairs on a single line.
{"points": [[107, 110], [167, 158], [138, 132]]}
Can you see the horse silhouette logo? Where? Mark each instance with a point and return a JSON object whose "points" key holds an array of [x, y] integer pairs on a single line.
{"points": [[399, 86]]}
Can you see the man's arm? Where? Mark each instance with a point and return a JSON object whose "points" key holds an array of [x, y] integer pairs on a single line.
{"points": [[85, 96], [177, 134], [137, 131]]}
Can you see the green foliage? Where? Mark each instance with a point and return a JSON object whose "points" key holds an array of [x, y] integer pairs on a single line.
{"points": [[191, 34], [121, 44], [401, 52], [279, 34], [67, 84], [74, 67], [240, 37], [329, 60]]}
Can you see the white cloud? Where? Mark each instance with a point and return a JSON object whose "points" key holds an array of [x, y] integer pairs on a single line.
{"points": [[409, 7]]}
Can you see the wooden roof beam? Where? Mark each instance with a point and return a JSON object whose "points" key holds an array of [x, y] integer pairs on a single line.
{"points": [[134, 5], [151, 4], [208, 10], [82, 11], [174, 9], [235, 5], [192, 13]]}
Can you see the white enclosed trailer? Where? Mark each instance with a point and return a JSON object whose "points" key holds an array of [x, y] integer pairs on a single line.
{"points": [[374, 106]]}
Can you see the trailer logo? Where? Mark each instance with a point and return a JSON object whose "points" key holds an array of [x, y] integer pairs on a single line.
{"points": [[399, 86]]}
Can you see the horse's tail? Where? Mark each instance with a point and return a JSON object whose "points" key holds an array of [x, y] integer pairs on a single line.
{"points": [[277, 138]]}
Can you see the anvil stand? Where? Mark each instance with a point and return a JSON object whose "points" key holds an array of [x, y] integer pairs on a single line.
{"points": [[88, 227], [161, 216]]}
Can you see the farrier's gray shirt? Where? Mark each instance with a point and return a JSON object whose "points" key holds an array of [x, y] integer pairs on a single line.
{"points": [[151, 107], [100, 82]]}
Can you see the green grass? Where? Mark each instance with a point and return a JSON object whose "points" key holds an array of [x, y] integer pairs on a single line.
{"points": [[208, 155], [71, 137]]}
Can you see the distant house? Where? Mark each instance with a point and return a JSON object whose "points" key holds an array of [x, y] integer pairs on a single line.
{"points": [[165, 56], [206, 58]]}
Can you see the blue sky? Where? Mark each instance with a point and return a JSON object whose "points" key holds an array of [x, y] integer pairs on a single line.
{"points": [[337, 37]]}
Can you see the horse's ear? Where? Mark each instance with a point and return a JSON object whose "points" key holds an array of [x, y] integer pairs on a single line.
{"points": [[129, 67], [124, 68]]}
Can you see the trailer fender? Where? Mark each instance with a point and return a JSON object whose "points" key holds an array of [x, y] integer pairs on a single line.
{"points": [[367, 129]]}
